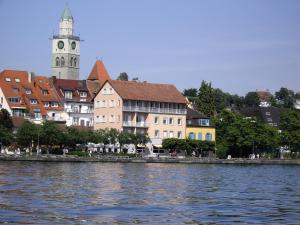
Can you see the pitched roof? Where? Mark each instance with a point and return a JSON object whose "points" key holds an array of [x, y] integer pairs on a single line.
{"points": [[99, 72], [193, 114], [143, 91], [75, 86], [264, 95], [16, 86]]}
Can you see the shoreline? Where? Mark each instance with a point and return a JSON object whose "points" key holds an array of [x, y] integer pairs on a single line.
{"points": [[58, 158]]}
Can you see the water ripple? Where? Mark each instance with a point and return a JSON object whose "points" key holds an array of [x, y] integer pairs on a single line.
{"points": [[104, 193]]}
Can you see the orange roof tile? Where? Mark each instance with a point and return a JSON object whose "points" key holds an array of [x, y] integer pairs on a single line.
{"points": [[132, 90], [99, 72]]}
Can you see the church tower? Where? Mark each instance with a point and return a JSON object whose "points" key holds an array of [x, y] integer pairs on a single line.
{"points": [[66, 49]]}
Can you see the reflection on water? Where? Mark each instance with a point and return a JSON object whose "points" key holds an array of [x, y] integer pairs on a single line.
{"points": [[105, 193]]}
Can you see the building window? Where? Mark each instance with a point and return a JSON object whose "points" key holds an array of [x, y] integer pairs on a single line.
{"points": [[204, 122], [156, 120], [179, 121], [112, 119], [103, 103], [179, 134], [165, 121], [1, 100], [45, 92], [165, 134], [103, 119], [208, 136], [68, 94], [199, 136], [7, 79], [97, 104], [71, 61], [33, 101], [75, 62], [28, 91], [57, 61], [62, 61], [268, 114], [111, 91], [17, 80], [54, 104], [46, 104], [76, 121], [156, 134], [104, 91], [171, 134], [16, 90], [14, 100], [83, 94], [171, 121], [111, 103], [192, 136]]}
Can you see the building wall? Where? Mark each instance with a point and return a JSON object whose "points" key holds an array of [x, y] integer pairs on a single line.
{"points": [[109, 104], [3, 102], [203, 130], [297, 104], [84, 116], [167, 130]]}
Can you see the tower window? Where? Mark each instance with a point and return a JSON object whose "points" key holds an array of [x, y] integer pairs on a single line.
{"points": [[62, 61], [57, 61], [75, 61], [71, 61]]}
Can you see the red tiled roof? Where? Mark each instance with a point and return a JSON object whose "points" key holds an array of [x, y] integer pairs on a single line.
{"points": [[264, 95], [75, 86], [99, 72], [98, 76], [23, 84], [132, 90]]}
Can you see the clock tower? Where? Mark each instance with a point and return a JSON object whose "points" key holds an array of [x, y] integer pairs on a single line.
{"points": [[66, 49]]}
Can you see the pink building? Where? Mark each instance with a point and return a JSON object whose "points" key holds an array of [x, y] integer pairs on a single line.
{"points": [[140, 107]]}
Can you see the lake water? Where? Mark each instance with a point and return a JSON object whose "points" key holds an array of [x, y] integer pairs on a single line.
{"points": [[107, 193]]}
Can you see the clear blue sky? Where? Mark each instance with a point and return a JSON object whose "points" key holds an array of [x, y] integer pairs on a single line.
{"points": [[239, 46]]}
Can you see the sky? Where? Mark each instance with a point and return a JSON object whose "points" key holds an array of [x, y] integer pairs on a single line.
{"points": [[239, 46]]}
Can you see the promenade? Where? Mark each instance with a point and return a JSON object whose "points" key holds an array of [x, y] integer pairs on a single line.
{"points": [[124, 159]]}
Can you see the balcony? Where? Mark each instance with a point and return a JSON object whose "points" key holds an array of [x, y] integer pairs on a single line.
{"points": [[75, 110], [154, 110], [137, 124]]}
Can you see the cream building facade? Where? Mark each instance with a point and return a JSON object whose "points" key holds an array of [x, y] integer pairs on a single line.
{"points": [[139, 107]]}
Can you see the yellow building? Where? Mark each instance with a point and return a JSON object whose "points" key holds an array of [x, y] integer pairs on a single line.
{"points": [[199, 127]]}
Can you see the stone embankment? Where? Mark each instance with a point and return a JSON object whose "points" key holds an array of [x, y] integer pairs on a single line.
{"points": [[116, 159]]}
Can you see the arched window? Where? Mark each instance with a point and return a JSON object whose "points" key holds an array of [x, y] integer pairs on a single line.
{"points": [[57, 61], [75, 61], [71, 61], [199, 136], [62, 61], [192, 136], [208, 136]]}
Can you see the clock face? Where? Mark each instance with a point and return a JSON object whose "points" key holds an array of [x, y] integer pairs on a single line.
{"points": [[60, 44], [73, 45]]}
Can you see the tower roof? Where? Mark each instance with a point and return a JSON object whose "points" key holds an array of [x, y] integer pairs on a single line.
{"points": [[99, 72], [67, 15]]}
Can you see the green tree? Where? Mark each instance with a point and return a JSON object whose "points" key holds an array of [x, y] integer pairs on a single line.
{"points": [[5, 119], [252, 99], [191, 92], [290, 126], [27, 134], [50, 134], [285, 98], [123, 76], [6, 125], [206, 99]]}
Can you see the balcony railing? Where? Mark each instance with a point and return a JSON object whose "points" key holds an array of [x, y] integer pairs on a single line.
{"points": [[137, 124], [154, 110], [79, 111]]}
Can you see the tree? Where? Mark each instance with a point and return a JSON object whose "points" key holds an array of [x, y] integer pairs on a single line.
{"points": [[135, 78], [191, 92], [50, 134], [124, 138], [252, 99], [6, 125], [290, 126], [26, 134], [123, 76], [5, 119], [285, 98], [206, 99]]}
